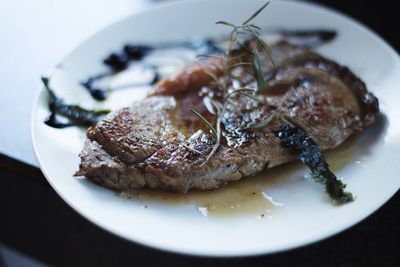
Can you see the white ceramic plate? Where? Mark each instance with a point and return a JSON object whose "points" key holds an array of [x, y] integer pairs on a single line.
{"points": [[368, 164]]}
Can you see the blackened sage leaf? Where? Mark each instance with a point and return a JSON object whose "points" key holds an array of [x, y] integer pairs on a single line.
{"points": [[311, 156]]}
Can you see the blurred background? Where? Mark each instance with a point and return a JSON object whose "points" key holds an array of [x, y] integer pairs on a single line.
{"points": [[36, 35]]}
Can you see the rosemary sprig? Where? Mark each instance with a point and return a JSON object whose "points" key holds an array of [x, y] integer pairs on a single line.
{"points": [[226, 24], [259, 75], [213, 130], [266, 48], [241, 91], [212, 75], [192, 149], [251, 29], [263, 123], [216, 132], [241, 64], [254, 31], [255, 14], [232, 61], [210, 56]]}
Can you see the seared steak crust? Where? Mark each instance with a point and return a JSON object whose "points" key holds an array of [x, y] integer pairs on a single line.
{"points": [[147, 144]]}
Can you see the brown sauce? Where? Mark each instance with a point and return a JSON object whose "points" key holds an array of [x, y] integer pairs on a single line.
{"points": [[245, 197], [342, 156]]}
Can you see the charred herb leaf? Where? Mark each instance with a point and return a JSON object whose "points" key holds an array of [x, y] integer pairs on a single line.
{"points": [[97, 93], [75, 114], [311, 156]]}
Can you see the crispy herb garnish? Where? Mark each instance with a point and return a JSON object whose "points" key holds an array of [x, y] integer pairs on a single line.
{"points": [[311, 156], [75, 114]]}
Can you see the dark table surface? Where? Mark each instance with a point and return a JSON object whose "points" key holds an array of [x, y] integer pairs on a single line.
{"points": [[35, 221]]}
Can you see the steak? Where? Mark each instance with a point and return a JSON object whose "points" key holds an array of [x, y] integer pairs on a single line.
{"points": [[159, 142]]}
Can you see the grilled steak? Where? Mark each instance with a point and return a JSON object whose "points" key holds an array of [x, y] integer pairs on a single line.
{"points": [[159, 143]]}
